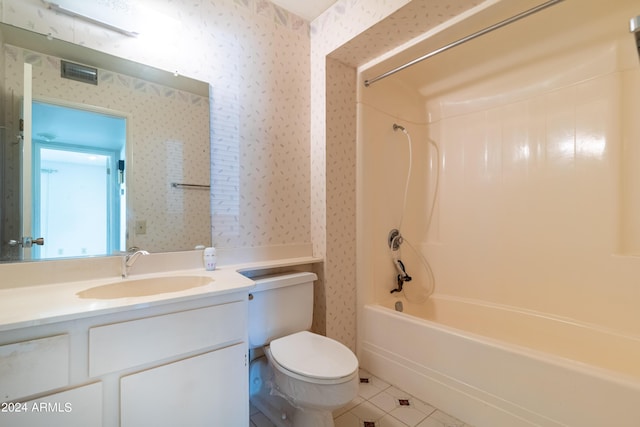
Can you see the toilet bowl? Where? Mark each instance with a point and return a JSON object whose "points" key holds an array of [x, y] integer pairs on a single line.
{"points": [[313, 371], [306, 385], [303, 376]]}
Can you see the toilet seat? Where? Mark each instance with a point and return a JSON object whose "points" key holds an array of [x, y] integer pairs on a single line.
{"points": [[314, 356]]}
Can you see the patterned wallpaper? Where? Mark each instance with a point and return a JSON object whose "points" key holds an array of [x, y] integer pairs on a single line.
{"points": [[256, 58], [405, 24], [340, 261], [166, 144], [351, 33]]}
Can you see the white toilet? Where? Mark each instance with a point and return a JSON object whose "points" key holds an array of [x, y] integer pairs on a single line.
{"points": [[304, 376]]}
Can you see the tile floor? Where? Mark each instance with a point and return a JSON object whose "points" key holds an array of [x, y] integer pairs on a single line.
{"points": [[379, 404]]}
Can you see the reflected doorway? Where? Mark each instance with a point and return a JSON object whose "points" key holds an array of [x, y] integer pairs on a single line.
{"points": [[78, 176]]}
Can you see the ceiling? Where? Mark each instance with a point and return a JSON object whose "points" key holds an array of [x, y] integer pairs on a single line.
{"points": [[307, 9], [71, 126]]}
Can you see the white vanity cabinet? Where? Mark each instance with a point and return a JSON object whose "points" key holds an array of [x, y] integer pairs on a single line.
{"points": [[36, 366], [77, 407], [181, 363], [33, 366], [200, 391]]}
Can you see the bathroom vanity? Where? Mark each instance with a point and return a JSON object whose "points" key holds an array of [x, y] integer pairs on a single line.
{"points": [[174, 358]]}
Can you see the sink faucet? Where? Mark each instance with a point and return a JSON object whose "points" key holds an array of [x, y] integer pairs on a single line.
{"points": [[129, 259]]}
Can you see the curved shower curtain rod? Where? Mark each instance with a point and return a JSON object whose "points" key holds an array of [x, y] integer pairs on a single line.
{"points": [[463, 40]]}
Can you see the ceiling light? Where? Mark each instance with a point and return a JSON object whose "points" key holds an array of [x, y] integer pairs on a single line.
{"points": [[117, 16]]}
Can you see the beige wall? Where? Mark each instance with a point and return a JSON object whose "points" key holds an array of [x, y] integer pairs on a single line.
{"points": [[538, 197]]}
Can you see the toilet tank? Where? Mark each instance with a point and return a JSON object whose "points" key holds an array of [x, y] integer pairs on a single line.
{"points": [[280, 305]]}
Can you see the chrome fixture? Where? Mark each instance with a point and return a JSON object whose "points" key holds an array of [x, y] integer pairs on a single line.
{"points": [[190, 186], [27, 242], [129, 259], [463, 40], [402, 273], [394, 240]]}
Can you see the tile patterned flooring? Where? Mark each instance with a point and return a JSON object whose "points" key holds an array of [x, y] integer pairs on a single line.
{"points": [[379, 404]]}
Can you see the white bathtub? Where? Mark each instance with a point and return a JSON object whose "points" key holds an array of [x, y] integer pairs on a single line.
{"points": [[496, 366]]}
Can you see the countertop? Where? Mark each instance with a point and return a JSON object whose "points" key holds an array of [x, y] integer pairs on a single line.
{"points": [[39, 305], [27, 306]]}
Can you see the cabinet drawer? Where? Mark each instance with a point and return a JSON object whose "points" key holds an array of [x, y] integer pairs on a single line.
{"points": [[136, 342], [33, 366], [78, 407]]}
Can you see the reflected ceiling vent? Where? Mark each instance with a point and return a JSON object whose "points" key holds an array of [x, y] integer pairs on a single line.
{"points": [[81, 73]]}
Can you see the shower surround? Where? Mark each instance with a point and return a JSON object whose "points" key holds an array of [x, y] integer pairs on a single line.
{"points": [[539, 196]]}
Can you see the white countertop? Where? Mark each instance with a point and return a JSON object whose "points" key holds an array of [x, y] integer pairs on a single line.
{"points": [[43, 304]]}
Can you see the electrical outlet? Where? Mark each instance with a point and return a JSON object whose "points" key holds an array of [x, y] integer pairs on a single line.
{"points": [[141, 227]]}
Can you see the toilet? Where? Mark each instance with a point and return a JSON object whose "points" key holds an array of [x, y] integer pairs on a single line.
{"points": [[302, 376]]}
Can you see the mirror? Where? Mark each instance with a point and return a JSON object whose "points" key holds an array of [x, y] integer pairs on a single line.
{"points": [[166, 176]]}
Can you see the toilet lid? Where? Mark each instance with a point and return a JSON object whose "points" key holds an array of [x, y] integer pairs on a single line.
{"points": [[314, 356]]}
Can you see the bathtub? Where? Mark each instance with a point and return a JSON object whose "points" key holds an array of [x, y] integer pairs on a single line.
{"points": [[494, 366]]}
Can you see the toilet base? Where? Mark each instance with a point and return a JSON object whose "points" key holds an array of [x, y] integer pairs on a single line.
{"points": [[307, 418], [282, 414], [279, 411]]}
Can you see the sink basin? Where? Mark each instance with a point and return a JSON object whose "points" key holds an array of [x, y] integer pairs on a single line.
{"points": [[144, 287]]}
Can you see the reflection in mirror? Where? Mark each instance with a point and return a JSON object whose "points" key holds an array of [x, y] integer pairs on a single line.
{"points": [[84, 150], [163, 138]]}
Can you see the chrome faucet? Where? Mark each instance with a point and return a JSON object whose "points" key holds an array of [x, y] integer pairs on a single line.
{"points": [[129, 259]]}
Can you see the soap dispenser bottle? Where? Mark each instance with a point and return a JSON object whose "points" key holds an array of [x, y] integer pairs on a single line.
{"points": [[209, 257]]}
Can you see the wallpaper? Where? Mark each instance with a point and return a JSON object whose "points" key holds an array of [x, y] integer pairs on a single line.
{"points": [[256, 58]]}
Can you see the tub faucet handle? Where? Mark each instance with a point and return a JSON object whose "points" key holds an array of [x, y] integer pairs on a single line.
{"points": [[401, 270]]}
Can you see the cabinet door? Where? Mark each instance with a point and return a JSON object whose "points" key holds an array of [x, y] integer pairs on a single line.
{"points": [[79, 407], [206, 390]]}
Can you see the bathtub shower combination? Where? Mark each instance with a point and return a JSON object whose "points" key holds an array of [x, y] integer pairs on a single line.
{"points": [[499, 332]]}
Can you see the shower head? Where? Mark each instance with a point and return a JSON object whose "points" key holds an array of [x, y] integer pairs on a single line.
{"points": [[634, 27], [397, 126]]}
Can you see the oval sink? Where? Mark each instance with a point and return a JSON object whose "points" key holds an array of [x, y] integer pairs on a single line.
{"points": [[144, 287]]}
